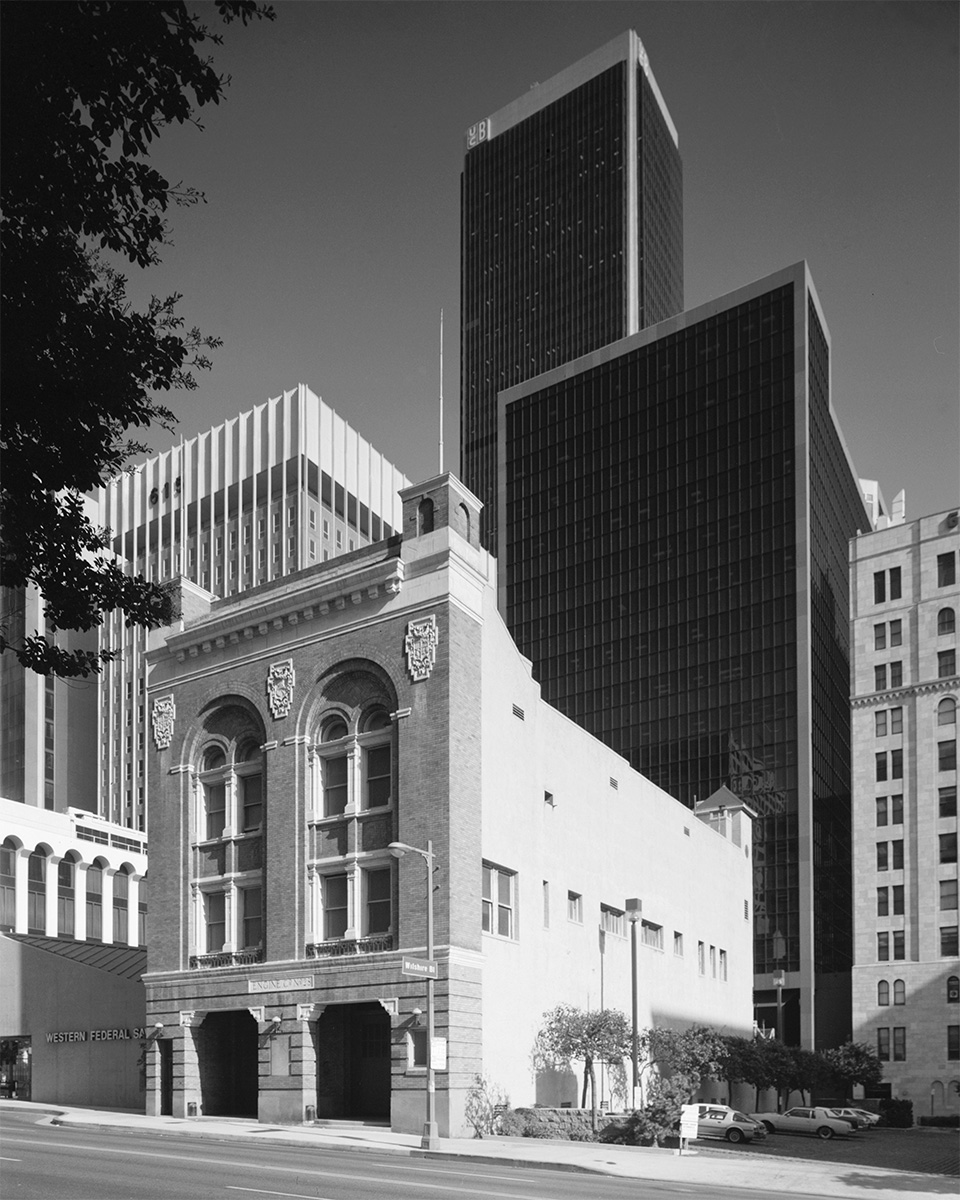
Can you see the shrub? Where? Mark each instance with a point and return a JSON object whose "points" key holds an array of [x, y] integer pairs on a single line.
{"points": [[951, 1121], [513, 1123], [897, 1114]]}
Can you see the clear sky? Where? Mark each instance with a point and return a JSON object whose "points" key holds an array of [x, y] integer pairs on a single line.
{"points": [[329, 241]]}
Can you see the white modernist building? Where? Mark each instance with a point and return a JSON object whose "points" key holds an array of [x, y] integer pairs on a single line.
{"points": [[263, 495]]}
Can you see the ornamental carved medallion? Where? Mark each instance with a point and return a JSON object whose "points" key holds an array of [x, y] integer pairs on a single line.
{"points": [[421, 643], [162, 717], [280, 681]]}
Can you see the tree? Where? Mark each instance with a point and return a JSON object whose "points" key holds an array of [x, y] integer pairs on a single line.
{"points": [[687, 1054], [854, 1063], [86, 87], [571, 1034]]}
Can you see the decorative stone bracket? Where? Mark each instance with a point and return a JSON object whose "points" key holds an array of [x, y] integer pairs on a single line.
{"points": [[420, 644], [280, 681], [162, 718]]}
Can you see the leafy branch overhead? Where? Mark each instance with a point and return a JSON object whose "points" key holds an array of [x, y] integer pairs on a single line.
{"points": [[85, 88]]}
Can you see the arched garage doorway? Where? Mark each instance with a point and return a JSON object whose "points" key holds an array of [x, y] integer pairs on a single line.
{"points": [[353, 1062], [227, 1058]]}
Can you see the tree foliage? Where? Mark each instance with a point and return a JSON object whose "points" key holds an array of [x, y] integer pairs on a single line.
{"points": [[569, 1034], [683, 1054], [86, 88], [854, 1063]]}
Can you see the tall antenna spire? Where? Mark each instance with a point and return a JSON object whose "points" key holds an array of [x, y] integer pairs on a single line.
{"points": [[441, 391]]}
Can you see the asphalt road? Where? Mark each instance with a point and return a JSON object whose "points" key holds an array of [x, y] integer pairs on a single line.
{"points": [[46, 1162]]}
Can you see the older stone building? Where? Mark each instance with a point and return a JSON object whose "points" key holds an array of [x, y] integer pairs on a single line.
{"points": [[301, 728]]}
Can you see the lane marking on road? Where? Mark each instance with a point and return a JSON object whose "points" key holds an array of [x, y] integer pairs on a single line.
{"points": [[3, 1158], [264, 1192], [223, 1162]]}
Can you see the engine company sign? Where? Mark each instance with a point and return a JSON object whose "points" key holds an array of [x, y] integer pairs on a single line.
{"points": [[97, 1035]]}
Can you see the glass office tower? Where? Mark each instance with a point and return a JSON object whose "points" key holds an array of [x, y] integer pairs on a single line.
{"points": [[675, 512], [571, 235]]}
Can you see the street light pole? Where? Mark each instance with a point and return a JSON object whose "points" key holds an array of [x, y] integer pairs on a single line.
{"points": [[430, 1135], [633, 908], [779, 980]]}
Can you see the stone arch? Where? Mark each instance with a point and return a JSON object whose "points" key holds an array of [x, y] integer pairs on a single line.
{"points": [[223, 720], [425, 516], [463, 521], [350, 687]]}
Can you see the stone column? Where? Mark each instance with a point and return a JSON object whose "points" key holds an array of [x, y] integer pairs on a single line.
{"points": [[50, 916]]}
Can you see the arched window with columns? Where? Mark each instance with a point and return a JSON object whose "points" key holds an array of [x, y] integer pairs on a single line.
{"points": [[37, 892], [94, 901], [66, 896], [8, 885]]}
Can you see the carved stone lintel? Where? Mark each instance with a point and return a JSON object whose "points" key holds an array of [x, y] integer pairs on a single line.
{"points": [[310, 1012], [190, 1018], [420, 643], [280, 681], [162, 718], [389, 1004], [257, 1014]]}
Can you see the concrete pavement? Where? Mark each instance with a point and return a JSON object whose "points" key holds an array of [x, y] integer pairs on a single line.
{"points": [[704, 1166]]}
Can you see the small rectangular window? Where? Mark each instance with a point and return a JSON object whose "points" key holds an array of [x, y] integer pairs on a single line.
{"points": [[897, 899], [899, 944], [948, 847], [896, 764], [946, 663], [896, 633], [897, 854], [498, 901], [896, 720], [575, 907], [948, 801], [895, 583], [953, 1042], [883, 902], [946, 570], [611, 920], [949, 947], [723, 966], [896, 674], [881, 766], [880, 678], [713, 961], [701, 958], [276, 522], [883, 1045], [546, 904], [334, 786], [313, 518], [651, 935], [216, 808], [948, 893], [882, 814], [947, 756], [883, 947], [899, 1043], [879, 637], [215, 920], [896, 810], [377, 918], [251, 907], [880, 723], [879, 587], [678, 944], [883, 862], [334, 907], [378, 775]]}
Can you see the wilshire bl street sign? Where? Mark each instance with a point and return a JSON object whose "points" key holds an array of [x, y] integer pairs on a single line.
{"points": [[420, 968]]}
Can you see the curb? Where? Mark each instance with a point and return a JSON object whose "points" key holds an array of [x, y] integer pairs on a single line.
{"points": [[497, 1161]]}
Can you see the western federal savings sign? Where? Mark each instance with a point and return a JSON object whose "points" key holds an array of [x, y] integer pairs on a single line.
{"points": [[97, 1035]]}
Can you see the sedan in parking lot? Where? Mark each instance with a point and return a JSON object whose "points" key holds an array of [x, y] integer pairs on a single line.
{"points": [[856, 1117], [721, 1121], [817, 1121]]}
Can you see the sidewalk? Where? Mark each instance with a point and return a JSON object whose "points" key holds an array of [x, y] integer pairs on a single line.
{"points": [[704, 1166]]}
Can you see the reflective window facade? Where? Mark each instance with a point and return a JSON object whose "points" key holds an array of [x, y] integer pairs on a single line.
{"points": [[656, 538], [545, 210]]}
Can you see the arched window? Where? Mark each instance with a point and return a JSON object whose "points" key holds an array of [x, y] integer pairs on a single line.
{"points": [[953, 989], [249, 771], [899, 992], [8, 885], [66, 896], [95, 902], [464, 514], [946, 621], [947, 711], [425, 516], [213, 785], [37, 892], [142, 912], [883, 992], [121, 906]]}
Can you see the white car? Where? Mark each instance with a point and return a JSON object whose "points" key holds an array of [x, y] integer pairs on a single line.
{"points": [[817, 1121], [721, 1121], [859, 1118], [867, 1118]]}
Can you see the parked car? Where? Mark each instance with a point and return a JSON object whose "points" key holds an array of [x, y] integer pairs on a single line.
{"points": [[818, 1121], [856, 1119], [722, 1121], [868, 1118]]}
